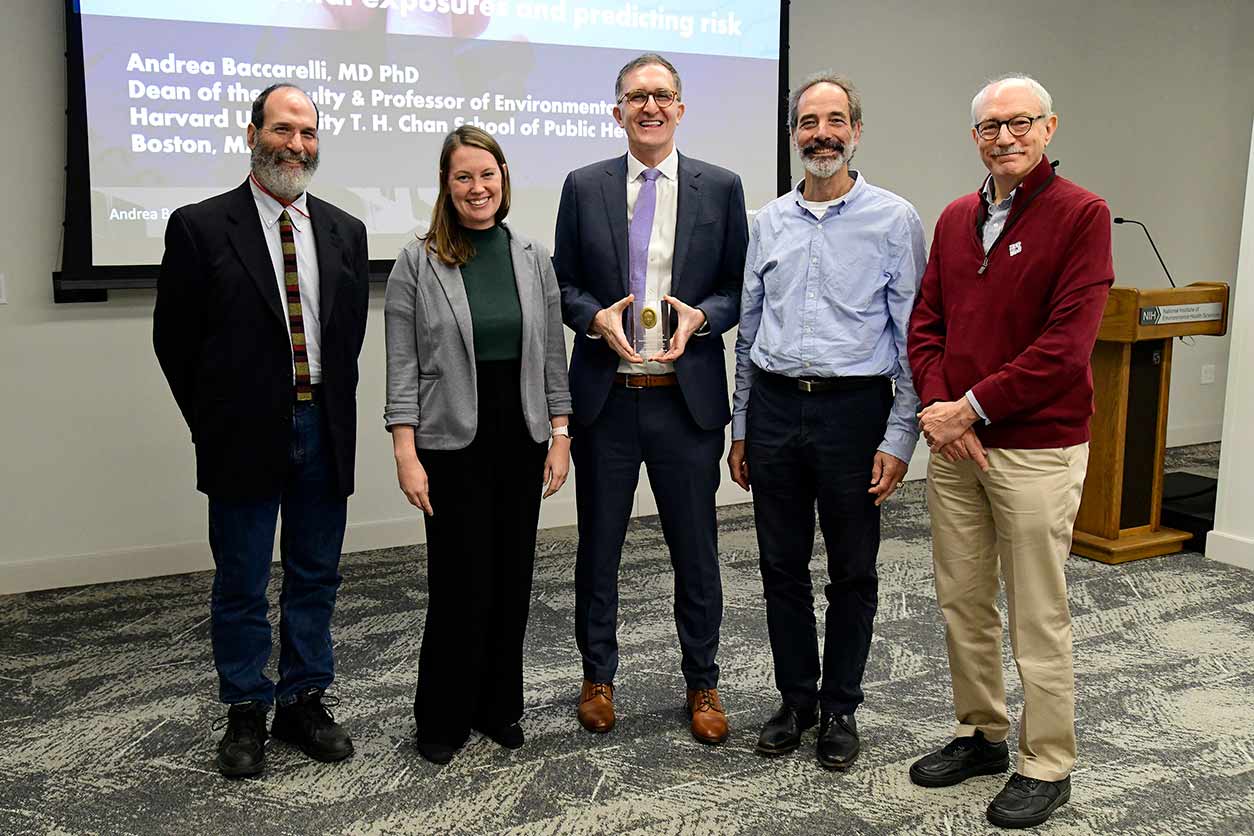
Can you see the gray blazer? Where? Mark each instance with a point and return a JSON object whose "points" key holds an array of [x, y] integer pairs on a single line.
{"points": [[431, 348]]}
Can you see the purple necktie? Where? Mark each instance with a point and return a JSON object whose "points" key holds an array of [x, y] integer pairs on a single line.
{"points": [[639, 232]]}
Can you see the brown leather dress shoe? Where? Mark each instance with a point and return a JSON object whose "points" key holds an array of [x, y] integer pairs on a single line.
{"points": [[596, 706], [709, 722]]}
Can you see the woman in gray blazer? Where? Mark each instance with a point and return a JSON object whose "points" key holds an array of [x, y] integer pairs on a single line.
{"points": [[477, 405]]}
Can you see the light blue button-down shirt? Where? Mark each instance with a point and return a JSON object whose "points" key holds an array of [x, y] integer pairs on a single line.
{"points": [[831, 297]]}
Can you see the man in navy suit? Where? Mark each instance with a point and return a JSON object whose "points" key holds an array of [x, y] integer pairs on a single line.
{"points": [[649, 243]]}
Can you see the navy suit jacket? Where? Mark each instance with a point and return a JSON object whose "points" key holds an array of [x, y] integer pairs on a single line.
{"points": [[220, 333], [590, 257]]}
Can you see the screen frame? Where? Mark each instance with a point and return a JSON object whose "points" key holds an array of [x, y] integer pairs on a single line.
{"points": [[79, 280]]}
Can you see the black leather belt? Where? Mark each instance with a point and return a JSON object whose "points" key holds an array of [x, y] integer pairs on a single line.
{"points": [[846, 383]]}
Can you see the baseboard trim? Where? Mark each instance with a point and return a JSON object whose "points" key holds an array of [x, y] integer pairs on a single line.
{"points": [[174, 559], [1193, 434], [1231, 549], [104, 567]]}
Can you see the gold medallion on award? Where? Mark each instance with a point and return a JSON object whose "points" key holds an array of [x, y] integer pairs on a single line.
{"points": [[648, 317]]}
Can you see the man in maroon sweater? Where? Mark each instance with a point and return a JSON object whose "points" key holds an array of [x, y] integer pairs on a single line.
{"points": [[999, 343]]}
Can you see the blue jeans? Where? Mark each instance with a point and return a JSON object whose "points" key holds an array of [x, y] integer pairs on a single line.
{"points": [[241, 535]]}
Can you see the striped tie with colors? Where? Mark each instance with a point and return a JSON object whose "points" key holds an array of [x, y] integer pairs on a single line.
{"points": [[300, 357]]}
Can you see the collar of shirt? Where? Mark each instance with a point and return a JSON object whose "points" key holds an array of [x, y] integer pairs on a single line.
{"points": [[269, 208], [669, 166], [987, 191], [848, 198]]}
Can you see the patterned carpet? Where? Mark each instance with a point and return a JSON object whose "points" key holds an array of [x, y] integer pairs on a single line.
{"points": [[107, 703]]}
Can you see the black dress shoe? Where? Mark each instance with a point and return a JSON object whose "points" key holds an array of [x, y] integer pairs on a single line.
{"points": [[1027, 802], [439, 753], [308, 724], [511, 736], [838, 741], [242, 750], [962, 758], [782, 733]]}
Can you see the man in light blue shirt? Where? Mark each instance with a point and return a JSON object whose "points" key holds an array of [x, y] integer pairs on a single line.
{"points": [[830, 279]]}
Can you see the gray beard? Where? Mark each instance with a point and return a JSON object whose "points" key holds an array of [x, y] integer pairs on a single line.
{"points": [[825, 167], [282, 182]]}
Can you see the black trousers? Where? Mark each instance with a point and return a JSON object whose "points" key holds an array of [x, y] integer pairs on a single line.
{"points": [[803, 449], [481, 546], [652, 426]]}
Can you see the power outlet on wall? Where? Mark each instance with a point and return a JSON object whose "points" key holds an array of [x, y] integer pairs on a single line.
{"points": [[4, 293], [1208, 373]]}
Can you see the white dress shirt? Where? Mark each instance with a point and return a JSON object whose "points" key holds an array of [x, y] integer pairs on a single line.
{"points": [[269, 209], [657, 277]]}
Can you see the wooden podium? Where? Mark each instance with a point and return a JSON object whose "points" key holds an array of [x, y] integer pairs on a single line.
{"points": [[1121, 509]]}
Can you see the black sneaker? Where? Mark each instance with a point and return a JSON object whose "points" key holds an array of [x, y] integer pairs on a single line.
{"points": [[308, 724], [242, 750], [782, 733], [1027, 802], [962, 758], [838, 744]]}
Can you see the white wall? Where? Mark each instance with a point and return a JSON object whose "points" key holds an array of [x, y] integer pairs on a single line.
{"points": [[1232, 541], [96, 476]]}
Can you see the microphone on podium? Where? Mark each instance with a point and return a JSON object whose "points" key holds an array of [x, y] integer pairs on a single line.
{"points": [[1151, 240]]}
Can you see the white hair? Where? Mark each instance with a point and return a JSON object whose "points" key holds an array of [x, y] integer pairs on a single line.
{"points": [[1047, 101]]}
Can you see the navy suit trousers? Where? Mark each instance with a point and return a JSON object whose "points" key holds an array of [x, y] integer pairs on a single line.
{"points": [[654, 427]]}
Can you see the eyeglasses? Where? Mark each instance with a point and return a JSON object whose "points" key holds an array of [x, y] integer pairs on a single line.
{"points": [[990, 129], [638, 98]]}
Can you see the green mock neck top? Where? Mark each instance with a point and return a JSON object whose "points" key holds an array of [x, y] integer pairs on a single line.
{"points": [[493, 296]]}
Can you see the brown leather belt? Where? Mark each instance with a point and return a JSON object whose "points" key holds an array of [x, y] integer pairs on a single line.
{"points": [[646, 381]]}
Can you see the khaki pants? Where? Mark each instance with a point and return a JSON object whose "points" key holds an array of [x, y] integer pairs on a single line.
{"points": [[1020, 511]]}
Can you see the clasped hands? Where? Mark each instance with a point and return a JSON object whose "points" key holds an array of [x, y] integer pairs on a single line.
{"points": [[608, 323], [947, 429]]}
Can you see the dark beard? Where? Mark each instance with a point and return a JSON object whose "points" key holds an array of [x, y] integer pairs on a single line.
{"points": [[284, 183]]}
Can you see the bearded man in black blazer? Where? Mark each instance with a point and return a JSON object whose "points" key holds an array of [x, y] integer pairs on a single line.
{"points": [[668, 233], [260, 317]]}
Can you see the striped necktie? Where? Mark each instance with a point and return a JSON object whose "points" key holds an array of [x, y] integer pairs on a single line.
{"points": [[300, 357]]}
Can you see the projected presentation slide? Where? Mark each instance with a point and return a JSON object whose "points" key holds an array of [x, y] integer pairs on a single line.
{"points": [[169, 87]]}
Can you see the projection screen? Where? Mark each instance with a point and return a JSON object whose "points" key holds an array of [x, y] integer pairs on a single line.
{"points": [[166, 87]]}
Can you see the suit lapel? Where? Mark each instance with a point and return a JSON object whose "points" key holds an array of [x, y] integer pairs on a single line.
{"points": [[329, 245], [244, 231], [450, 279], [525, 277], [687, 210], [614, 192]]}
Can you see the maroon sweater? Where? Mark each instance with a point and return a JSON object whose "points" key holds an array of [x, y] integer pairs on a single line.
{"points": [[1020, 334]]}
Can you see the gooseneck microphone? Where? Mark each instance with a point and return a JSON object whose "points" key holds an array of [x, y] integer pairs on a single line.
{"points": [[1151, 240]]}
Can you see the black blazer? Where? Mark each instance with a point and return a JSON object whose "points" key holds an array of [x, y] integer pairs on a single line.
{"points": [[220, 333], [590, 257]]}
